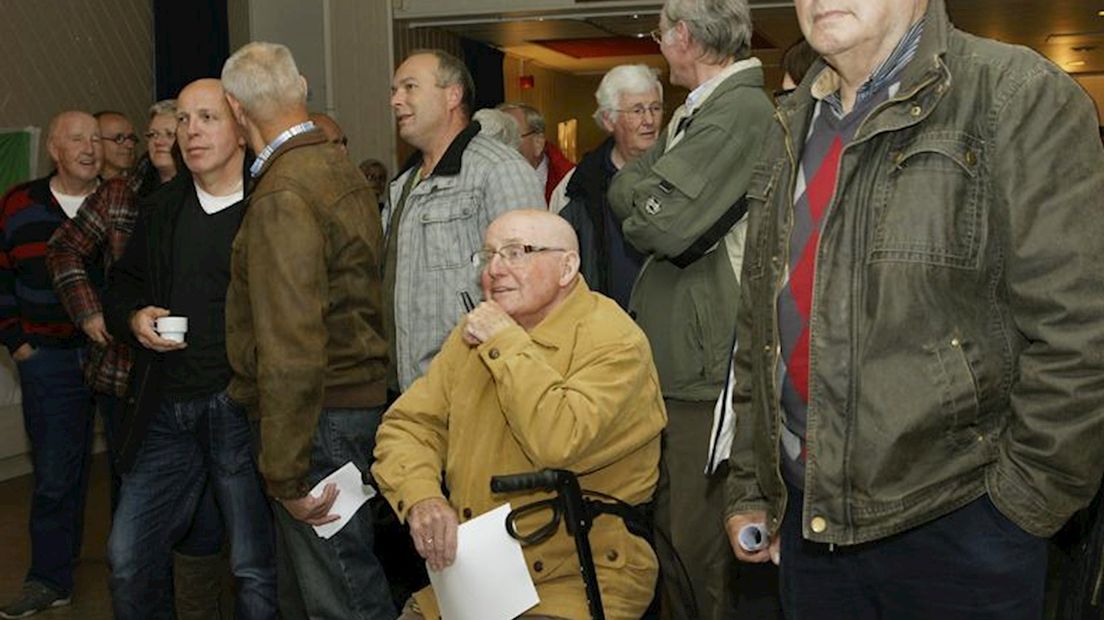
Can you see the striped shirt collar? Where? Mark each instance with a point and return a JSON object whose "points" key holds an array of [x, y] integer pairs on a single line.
{"points": [[284, 136], [826, 85]]}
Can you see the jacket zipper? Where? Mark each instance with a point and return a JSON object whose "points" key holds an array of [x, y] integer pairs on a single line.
{"points": [[852, 388], [776, 353]]}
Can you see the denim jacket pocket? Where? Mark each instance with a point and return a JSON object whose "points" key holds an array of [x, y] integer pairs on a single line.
{"points": [[928, 202], [450, 231]]}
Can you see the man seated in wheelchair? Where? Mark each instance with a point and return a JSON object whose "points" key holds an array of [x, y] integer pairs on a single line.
{"points": [[544, 373]]}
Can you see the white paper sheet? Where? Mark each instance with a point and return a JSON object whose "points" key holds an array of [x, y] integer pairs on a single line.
{"points": [[489, 580], [351, 495]]}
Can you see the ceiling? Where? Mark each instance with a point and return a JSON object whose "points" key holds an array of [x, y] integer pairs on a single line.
{"points": [[1069, 32]]}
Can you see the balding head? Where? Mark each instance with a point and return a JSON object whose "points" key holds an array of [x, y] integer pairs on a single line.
{"points": [[533, 263], [73, 142]]}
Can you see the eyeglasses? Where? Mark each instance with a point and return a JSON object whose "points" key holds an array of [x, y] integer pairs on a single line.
{"points": [[657, 35], [123, 138], [529, 133], [638, 111], [167, 134], [511, 254]]}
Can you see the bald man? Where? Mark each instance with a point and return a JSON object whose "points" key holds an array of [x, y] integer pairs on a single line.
{"points": [[180, 428], [47, 348], [542, 373]]}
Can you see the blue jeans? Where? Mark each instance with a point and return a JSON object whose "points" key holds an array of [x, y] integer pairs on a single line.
{"points": [[58, 419], [186, 445], [972, 563], [339, 577]]}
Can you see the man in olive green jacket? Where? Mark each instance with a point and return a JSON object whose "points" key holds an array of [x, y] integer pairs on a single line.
{"points": [[954, 321], [303, 334], [542, 374], [680, 204]]}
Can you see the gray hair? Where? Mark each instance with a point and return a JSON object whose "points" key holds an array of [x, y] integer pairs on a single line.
{"points": [[624, 80], [533, 118], [721, 27], [452, 71], [498, 125], [165, 106], [264, 78]]}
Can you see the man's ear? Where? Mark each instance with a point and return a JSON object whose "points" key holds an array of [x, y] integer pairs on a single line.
{"points": [[52, 150], [236, 109], [569, 268], [607, 123], [454, 95]]}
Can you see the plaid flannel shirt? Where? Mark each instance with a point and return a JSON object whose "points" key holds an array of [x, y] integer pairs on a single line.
{"points": [[98, 233]]}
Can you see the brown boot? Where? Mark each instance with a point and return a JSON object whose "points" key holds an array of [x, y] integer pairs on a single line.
{"points": [[197, 583]]}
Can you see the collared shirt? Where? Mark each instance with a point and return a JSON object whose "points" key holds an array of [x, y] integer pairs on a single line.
{"points": [[284, 136], [698, 96], [826, 88]]}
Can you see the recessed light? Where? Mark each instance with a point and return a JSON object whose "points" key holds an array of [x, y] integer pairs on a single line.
{"points": [[1100, 13], [1076, 63], [636, 15]]}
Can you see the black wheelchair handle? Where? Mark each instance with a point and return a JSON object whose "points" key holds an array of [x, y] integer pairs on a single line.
{"points": [[544, 479]]}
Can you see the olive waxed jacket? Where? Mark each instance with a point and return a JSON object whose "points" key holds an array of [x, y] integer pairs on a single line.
{"points": [[303, 311], [957, 326], [669, 198]]}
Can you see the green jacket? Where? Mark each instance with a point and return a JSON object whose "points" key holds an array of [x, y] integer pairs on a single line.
{"points": [[958, 305], [303, 322], [666, 201]]}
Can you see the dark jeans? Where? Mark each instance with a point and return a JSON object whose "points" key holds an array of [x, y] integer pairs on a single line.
{"points": [[57, 416], [339, 577], [972, 563], [106, 405], [186, 445]]}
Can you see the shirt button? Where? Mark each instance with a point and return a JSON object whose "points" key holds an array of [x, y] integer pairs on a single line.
{"points": [[467, 513], [400, 505], [818, 525], [971, 158], [538, 566], [611, 555], [493, 354]]}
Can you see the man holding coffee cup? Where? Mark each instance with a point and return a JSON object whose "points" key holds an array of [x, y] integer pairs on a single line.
{"points": [[180, 428]]}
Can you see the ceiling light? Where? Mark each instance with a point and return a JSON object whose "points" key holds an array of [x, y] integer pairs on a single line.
{"points": [[1100, 13], [1076, 63]]}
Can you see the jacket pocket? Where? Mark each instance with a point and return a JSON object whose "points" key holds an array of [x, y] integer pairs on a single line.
{"points": [[956, 384], [928, 201], [450, 231]]}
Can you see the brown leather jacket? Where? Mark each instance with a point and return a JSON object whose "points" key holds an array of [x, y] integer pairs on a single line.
{"points": [[303, 323]]}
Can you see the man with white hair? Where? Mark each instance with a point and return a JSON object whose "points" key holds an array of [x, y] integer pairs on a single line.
{"points": [[682, 205], [305, 336], [545, 157], [630, 109], [47, 348]]}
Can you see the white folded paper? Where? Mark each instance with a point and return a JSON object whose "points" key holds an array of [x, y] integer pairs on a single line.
{"points": [[489, 579], [351, 495]]}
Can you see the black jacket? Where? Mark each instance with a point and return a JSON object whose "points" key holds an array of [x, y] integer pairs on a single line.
{"points": [[143, 277]]}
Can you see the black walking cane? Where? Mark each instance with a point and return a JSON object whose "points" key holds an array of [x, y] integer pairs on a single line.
{"points": [[568, 502]]}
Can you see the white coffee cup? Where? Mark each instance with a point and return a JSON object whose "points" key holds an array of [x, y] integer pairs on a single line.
{"points": [[172, 327]]}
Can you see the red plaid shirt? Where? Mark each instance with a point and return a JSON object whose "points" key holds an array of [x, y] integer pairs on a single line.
{"points": [[99, 232]]}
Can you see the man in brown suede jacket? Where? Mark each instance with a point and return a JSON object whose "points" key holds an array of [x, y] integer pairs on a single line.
{"points": [[303, 334]]}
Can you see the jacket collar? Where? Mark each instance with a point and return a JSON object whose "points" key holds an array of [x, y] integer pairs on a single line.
{"points": [[314, 136], [795, 109], [591, 168], [453, 157], [564, 318]]}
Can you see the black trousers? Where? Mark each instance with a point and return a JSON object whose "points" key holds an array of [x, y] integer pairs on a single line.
{"points": [[972, 563]]}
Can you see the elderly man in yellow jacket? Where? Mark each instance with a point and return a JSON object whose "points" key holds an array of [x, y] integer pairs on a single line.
{"points": [[542, 373]]}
